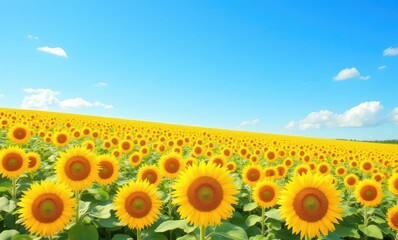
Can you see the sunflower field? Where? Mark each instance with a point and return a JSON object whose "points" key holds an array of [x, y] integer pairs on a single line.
{"points": [[80, 177]]}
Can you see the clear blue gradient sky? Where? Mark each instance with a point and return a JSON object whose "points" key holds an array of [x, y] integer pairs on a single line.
{"points": [[315, 68]]}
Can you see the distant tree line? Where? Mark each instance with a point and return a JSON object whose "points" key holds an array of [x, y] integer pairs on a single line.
{"points": [[391, 141]]}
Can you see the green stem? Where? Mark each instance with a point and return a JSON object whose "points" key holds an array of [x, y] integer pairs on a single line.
{"points": [[50, 238], [262, 221], [77, 195], [365, 219], [307, 237], [202, 232], [138, 234], [14, 189], [396, 236], [170, 208]]}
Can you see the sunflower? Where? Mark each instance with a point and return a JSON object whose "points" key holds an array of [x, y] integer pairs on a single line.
{"points": [[366, 166], [19, 134], [46, 208], [231, 166], [393, 184], [137, 204], [392, 217], [324, 168], [204, 194], [266, 193], [218, 160], [351, 180], [369, 193], [341, 171], [301, 169], [135, 159], [150, 173], [190, 161], [61, 139], [126, 146], [13, 162], [77, 167], [310, 205], [171, 165], [252, 174], [89, 145], [34, 161], [270, 155], [108, 169], [282, 171]]}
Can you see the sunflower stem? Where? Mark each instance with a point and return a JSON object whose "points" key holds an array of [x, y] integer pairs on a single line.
{"points": [[170, 208], [307, 237], [138, 234], [262, 221], [365, 219], [77, 193], [14, 189], [396, 236], [202, 232]]}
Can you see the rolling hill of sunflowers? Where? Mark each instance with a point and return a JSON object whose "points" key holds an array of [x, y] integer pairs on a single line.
{"points": [[83, 178]]}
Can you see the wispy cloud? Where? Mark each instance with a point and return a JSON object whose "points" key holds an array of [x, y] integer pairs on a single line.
{"points": [[348, 73], [364, 114], [394, 115], [2, 96], [33, 37], [382, 67], [249, 123], [101, 84], [390, 51], [54, 51], [45, 99]]}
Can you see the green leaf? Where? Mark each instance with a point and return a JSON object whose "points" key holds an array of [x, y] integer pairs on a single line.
{"points": [[110, 222], [98, 193], [258, 237], [348, 211], [274, 214], [102, 211], [9, 221], [83, 207], [5, 186], [231, 231], [187, 237], [171, 225], [7, 205], [156, 236], [342, 231], [22, 237], [252, 220], [274, 224], [79, 231], [249, 207], [8, 234], [122, 237], [371, 231]]}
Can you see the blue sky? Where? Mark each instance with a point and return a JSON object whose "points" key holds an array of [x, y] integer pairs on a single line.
{"points": [[317, 68]]}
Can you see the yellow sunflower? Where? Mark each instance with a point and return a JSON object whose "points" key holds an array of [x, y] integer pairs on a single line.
{"points": [[392, 217], [135, 159], [310, 205], [77, 168], [351, 180], [324, 168], [366, 166], [34, 161], [13, 162], [126, 146], [137, 204], [61, 139], [270, 155], [46, 208], [218, 160], [150, 173], [231, 166], [393, 184], [252, 174], [89, 145], [369, 193], [204, 194], [108, 169], [19, 134], [171, 165], [266, 193]]}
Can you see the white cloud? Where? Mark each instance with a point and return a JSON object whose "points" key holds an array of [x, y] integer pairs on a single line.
{"points": [[390, 51], [44, 99], [348, 73], [100, 104], [101, 84], [382, 67], [394, 115], [75, 103], [55, 51], [40, 98], [2, 96], [364, 114], [249, 123], [33, 37]]}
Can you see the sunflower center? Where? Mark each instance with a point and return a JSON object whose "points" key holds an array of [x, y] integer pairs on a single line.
{"points": [[253, 175], [394, 219], [172, 165], [205, 194], [323, 169], [12, 162], [218, 162], [138, 204], [135, 159], [77, 168], [19, 133], [310, 204], [267, 193], [106, 170], [150, 175], [126, 146], [32, 162], [396, 184], [47, 208], [368, 193], [367, 166], [61, 138], [351, 181]]}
